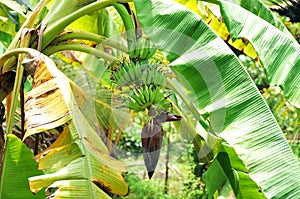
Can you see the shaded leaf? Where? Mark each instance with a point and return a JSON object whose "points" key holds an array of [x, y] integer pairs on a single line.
{"points": [[20, 6], [218, 174], [5, 41], [247, 187], [220, 28], [75, 189], [18, 165]]}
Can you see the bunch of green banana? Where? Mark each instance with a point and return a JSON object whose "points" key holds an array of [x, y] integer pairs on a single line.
{"points": [[128, 74], [144, 97], [151, 75], [138, 74], [139, 51]]}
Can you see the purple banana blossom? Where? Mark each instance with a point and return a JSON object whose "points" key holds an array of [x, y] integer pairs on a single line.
{"points": [[152, 137]]}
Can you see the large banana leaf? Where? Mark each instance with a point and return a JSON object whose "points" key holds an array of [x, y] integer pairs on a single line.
{"points": [[278, 52], [258, 8], [261, 10], [220, 85], [17, 167], [77, 164]]}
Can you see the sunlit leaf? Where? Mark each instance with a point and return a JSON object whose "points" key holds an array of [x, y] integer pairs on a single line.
{"points": [[221, 86]]}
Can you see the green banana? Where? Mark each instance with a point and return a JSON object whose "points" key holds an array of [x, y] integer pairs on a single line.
{"points": [[151, 52], [126, 66], [158, 96], [159, 78], [152, 76], [148, 79], [133, 105], [141, 93], [145, 49], [144, 77], [138, 73], [131, 49], [146, 93], [138, 48], [137, 99], [153, 92]]}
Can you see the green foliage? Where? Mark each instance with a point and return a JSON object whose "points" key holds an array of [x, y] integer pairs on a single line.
{"points": [[256, 72], [194, 188], [131, 142], [139, 188]]}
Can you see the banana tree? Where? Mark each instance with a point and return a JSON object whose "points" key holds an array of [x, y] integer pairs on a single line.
{"points": [[219, 107]]}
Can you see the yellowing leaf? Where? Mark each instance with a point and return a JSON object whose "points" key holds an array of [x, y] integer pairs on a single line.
{"points": [[45, 107], [78, 164], [190, 4], [220, 28], [48, 104]]}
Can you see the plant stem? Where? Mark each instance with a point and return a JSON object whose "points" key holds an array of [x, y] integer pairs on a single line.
{"points": [[75, 34], [127, 20], [29, 23], [192, 133], [22, 102], [25, 39], [6, 56], [118, 137], [167, 159], [56, 27], [109, 140], [190, 106], [78, 47]]}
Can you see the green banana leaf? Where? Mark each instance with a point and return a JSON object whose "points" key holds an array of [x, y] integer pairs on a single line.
{"points": [[219, 85], [18, 166], [258, 8], [261, 10], [278, 52]]}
